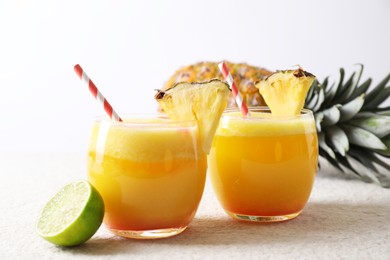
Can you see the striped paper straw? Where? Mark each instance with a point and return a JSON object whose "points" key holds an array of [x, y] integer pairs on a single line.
{"points": [[237, 96], [96, 93]]}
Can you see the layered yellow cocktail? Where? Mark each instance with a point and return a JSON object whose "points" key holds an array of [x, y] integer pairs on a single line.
{"points": [[263, 167], [150, 173]]}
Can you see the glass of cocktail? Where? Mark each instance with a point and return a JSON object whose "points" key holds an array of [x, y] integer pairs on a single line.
{"points": [[262, 167], [150, 172]]}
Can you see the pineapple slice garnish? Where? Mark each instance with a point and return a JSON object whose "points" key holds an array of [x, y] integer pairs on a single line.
{"points": [[285, 91], [203, 102]]}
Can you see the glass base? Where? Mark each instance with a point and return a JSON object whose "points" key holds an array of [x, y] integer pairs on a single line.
{"points": [[148, 234], [251, 218]]}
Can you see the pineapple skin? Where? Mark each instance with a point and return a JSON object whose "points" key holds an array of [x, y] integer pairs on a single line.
{"points": [[244, 75]]}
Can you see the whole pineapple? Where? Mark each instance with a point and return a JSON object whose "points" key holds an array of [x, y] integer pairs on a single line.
{"points": [[244, 75]]}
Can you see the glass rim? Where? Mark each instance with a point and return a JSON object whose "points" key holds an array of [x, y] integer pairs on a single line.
{"points": [[304, 113], [145, 119]]}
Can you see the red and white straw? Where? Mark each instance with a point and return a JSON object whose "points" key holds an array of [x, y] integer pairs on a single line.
{"points": [[237, 96], [96, 93]]}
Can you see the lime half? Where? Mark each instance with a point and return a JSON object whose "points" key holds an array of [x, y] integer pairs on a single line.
{"points": [[72, 216]]}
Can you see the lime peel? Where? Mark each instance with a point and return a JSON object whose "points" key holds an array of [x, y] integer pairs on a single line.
{"points": [[72, 215]]}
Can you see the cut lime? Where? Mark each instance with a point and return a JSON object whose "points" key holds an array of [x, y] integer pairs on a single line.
{"points": [[203, 102], [72, 216]]}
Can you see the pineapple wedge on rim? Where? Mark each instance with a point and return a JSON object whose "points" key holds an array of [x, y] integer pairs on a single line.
{"points": [[285, 91], [203, 102]]}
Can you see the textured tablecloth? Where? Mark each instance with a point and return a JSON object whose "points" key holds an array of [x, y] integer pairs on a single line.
{"points": [[344, 219]]}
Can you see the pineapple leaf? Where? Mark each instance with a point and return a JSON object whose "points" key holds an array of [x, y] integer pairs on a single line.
{"points": [[375, 91], [331, 115], [360, 90], [312, 102], [385, 152], [370, 156], [332, 161], [340, 86], [317, 96], [353, 131], [384, 111], [321, 97], [378, 125], [338, 139], [351, 87], [318, 118], [376, 101], [365, 173], [329, 94], [310, 92], [346, 90], [381, 163], [324, 83], [363, 138], [324, 146], [365, 114], [362, 156], [350, 109], [346, 167]]}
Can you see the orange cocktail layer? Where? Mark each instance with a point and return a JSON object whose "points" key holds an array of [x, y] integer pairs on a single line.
{"points": [[268, 172], [148, 179]]}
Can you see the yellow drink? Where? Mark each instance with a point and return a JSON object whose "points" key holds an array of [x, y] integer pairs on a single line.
{"points": [[263, 168], [150, 173]]}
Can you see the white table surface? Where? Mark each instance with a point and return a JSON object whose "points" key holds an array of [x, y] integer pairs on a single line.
{"points": [[344, 219]]}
